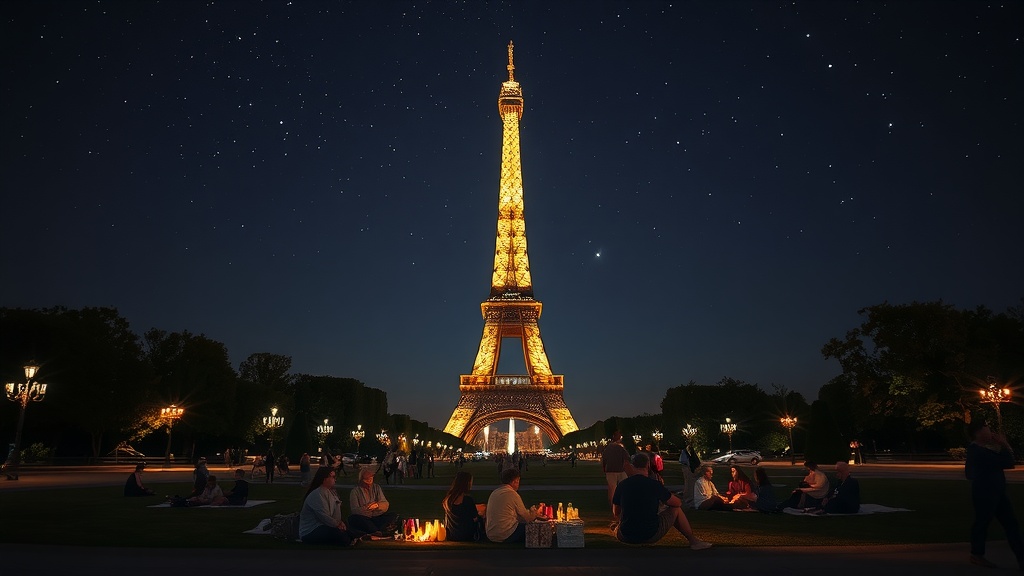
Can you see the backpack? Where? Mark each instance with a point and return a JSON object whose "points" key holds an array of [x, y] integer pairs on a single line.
{"points": [[659, 464]]}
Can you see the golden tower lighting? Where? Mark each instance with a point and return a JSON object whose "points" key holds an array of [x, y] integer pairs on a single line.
{"points": [[511, 311]]}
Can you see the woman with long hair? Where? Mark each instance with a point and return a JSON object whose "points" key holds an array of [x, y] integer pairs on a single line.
{"points": [[762, 495], [739, 485], [320, 519], [463, 517]]}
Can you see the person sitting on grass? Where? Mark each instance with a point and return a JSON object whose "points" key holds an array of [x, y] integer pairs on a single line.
{"points": [[239, 493], [320, 518], [705, 495], [812, 489], [211, 495], [134, 486], [506, 514], [845, 497], [636, 503], [369, 506], [762, 495], [739, 487], [462, 515]]}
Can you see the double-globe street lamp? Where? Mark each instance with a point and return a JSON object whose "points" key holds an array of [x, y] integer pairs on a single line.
{"points": [[171, 413], [657, 435], [23, 393], [992, 395], [789, 423]]}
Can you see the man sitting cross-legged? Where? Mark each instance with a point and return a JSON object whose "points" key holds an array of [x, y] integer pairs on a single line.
{"points": [[647, 510]]}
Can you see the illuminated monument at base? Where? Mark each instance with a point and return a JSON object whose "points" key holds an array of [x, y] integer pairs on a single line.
{"points": [[511, 312]]}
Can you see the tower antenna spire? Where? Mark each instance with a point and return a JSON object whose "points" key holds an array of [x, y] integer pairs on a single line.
{"points": [[511, 66]]}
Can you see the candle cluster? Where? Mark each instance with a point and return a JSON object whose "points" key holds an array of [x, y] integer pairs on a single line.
{"points": [[414, 531]]}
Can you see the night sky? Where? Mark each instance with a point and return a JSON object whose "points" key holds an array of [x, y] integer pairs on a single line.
{"points": [[713, 189]]}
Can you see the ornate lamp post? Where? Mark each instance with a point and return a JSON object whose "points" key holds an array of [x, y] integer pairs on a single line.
{"points": [[636, 439], [171, 413], [657, 435], [357, 435], [324, 430], [728, 428], [689, 433], [383, 438], [991, 395], [271, 422], [788, 423], [23, 394]]}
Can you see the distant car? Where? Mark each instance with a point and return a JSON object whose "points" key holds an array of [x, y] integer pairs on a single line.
{"points": [[351, 459], [751, 457]]}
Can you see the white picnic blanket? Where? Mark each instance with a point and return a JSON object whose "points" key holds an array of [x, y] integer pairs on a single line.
{"points": [[248, 504], [864, 509]]}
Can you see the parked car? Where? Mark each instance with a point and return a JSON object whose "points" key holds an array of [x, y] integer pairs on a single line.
{"points": [[351, 459], [751, 457]]}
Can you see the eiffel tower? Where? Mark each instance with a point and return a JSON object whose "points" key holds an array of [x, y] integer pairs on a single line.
{"points": [[511, 312]]}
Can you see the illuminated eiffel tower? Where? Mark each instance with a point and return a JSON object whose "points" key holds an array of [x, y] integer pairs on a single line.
{"points": [[511, 312]]}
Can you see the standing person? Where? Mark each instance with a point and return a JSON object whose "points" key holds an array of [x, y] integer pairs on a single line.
{"points": [[845, 497], [507, 516], [616, 466], [686, 495], [134, 486], [270, 463], [637, 501], [463, 517], [988, 455], [370, 509], [705, 495], [419, 464], [413, 464], [199, 476], [239, 493], [320, 518], [305, 474], [430, 464]]}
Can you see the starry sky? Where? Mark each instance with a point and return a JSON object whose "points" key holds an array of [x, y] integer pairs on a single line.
{"points": [[713, 189]]}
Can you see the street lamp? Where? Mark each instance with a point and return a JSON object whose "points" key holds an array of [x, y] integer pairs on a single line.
{"points": [[636, 439], [689, 433], [324, 430], [271, 422], [657, 435], [728, 428], [357, 435], [171, 413], [383, 438], [991, 395], [23, 394], [788, 423]]}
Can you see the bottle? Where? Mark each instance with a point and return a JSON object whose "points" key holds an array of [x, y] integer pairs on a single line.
{"points": [[558, 516], [569, 511]]}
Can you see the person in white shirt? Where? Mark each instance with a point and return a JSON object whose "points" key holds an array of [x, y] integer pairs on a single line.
{"points": [[506, 514]]}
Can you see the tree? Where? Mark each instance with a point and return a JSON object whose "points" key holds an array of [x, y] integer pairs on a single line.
{"points": [[924, 362]]}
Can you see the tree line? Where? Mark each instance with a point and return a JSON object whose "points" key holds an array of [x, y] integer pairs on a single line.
{"points": [[910, 381]]}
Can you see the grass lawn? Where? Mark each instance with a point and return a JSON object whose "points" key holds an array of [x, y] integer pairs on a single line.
{"points": [[941, 512]]}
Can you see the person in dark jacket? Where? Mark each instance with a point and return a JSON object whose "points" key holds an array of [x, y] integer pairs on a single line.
{"points": [[134, 486], [845, 497], [988, 455]]}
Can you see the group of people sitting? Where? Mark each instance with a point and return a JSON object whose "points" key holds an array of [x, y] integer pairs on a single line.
{"points": [[814, 493], [205, 490]]}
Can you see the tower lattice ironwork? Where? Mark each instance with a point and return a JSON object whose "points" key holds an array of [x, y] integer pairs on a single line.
{"points": [[511, 311]]}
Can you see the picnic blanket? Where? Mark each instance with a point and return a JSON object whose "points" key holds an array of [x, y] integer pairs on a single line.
{"points": [[262, 528], [864, 509], [248, 504]]}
